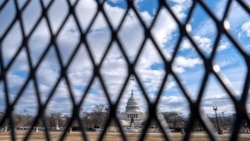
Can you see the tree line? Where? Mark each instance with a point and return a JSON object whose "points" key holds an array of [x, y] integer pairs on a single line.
{"points": [[96, 118]]}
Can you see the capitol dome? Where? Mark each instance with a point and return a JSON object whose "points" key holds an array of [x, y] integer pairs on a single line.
{"points": [[132, 104]]}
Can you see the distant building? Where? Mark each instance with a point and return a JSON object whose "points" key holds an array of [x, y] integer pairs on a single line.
{"points": [[132, 111]]}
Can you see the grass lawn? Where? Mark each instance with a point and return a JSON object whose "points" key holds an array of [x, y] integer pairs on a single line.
{"points": [[93, 136]]}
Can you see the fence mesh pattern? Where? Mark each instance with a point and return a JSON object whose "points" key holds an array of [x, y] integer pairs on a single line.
{"points": [[210, 67]]}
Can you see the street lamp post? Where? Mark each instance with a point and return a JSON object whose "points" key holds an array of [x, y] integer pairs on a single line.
{"points": [[215, 110]]}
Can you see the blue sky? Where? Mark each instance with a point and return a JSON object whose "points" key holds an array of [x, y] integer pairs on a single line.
{"points": [[150, 68]]}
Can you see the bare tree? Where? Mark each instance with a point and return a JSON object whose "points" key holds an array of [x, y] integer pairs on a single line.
{"points": [[88, 120], [174, 119], [23, 120], [53, 117], [96, 118], [19, 119], [99, 114]]}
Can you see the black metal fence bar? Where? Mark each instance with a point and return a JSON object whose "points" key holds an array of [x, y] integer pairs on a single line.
{"points": [[195, 106]]}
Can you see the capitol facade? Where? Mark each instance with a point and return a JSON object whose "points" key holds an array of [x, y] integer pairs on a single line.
{"points": [[132, 112]]}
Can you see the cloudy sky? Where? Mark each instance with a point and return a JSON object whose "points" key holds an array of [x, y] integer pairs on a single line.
{"points": [[188, 65]]}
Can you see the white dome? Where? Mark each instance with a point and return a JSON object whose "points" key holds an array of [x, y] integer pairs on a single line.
{"points": [[132, 104]]}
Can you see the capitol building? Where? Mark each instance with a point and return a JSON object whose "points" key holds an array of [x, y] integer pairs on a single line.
{"points": [[132, 113]]}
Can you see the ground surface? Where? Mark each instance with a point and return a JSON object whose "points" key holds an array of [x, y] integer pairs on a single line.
{"points": [[76, 136]]}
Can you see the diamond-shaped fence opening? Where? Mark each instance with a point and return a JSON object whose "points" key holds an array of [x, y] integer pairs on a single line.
{"points": [[165, 36], [203, 30], [131, 42], [152, 76], [214, 98], [175, 107], [233, 57], [68, 70], [190, 69], [39, 41], [114, 71]]}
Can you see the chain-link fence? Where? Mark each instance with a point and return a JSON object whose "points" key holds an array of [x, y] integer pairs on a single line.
{"points": [[14, 15]]}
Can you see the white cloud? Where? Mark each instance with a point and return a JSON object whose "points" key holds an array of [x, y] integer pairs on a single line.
{"points": [[173, 103], [245, 28], [112, 12], [187, 62], [180, 6], [163, 28], [185, 44], [203, 43], [170, 85], [223, 46]]}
